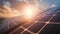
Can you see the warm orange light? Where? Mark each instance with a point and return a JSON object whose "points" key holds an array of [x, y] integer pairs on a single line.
{"points": [[28, 12]]}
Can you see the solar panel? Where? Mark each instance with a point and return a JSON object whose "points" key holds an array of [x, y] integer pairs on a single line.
{"points": [[47, 23]]}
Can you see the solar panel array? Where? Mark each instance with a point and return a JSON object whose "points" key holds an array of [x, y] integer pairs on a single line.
{"points": [[48, 22]]}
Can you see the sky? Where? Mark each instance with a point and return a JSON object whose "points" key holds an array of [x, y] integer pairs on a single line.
{"points": [[50, 2], [44, 3]]}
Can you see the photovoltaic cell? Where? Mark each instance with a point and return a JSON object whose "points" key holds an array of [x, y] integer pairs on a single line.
{"points": [[51, 29]]}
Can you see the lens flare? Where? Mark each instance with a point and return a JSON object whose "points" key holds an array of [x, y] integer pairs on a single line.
{"points": [[29, 11]]}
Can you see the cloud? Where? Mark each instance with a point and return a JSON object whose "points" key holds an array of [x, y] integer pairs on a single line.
{"points": [[1, 3], [7, 3], [53, 5], [8, 12]]}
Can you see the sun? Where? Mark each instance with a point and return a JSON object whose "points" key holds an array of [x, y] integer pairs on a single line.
{"points": [[28, 11]]}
